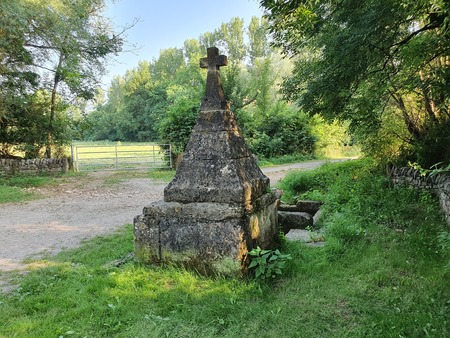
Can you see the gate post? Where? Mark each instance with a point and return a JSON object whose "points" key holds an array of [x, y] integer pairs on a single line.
{"points": [[72, 158], [117, 160]]}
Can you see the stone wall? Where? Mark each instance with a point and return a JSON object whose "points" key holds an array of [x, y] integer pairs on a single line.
{"points": [[439, 183], [33, 166]]}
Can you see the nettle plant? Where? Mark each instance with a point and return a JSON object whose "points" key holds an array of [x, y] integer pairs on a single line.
{"points": [[267, 263]]}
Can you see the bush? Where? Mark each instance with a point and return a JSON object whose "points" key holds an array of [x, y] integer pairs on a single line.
{"points": [[281, 131], [434, 147], [178, 122]]}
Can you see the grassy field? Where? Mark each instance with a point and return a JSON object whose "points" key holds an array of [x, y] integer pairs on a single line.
{"points": [[383, 272]]}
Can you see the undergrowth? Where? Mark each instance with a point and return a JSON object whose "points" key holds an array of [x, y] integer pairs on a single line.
{"points": [[382, 273]]}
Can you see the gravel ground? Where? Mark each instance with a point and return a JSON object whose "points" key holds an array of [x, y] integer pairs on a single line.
{"points": [[81, 208]]}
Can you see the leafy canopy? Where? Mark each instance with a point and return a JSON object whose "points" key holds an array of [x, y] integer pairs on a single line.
{"points": [[360, 60], [55, 47]]}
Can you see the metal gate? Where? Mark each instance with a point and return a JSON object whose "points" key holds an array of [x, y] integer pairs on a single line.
{"points": [[121, 157]]}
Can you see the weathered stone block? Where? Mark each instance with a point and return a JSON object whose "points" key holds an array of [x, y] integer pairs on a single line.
{"points": [[287, 207], [217, 165], [294, 220], [235, 181], [211, 237], [311, 207]]}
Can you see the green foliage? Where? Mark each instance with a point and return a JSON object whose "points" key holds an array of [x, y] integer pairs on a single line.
{"points": [[358, 200], [280, 131], [267, 264], [333, 139], [179, 120], [434, 147], [231, 35], [133, 110], [401, 73], [259, 46], [160, 100], [435, 169], [286, 159], [57, 55], [319, 181], [22, 127]]}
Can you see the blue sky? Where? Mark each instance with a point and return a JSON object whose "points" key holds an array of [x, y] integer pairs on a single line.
{"points": [[168, 23]]}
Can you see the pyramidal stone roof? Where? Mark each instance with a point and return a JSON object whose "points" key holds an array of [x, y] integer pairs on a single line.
{"points": [[217, 165]]}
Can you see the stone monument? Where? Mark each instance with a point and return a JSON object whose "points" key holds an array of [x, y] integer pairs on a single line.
{"points": [[218, 206]]}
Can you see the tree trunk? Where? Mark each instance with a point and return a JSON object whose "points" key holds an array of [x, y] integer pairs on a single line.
{"points": [[412, 127], [56, 80]]}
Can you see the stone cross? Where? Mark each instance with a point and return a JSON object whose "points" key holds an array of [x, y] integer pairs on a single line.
{"points": [[217, 207], [214, 95]]}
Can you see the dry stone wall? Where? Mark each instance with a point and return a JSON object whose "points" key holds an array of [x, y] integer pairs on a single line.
{"points": [[439, 183], [33, 166]]}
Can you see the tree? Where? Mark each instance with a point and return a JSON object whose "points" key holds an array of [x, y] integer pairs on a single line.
{"points": [[361, 60], [282, 131], [59, 46], [16, 60], [180, 117], [166, 66], [169, 98], [232, 39], [208, 39], [258, 41]]}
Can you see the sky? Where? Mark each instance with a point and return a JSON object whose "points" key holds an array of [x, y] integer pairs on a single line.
{"points": [[168, 23]]}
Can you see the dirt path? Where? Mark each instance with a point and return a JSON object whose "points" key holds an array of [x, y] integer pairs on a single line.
{"points": [[81, 208]]}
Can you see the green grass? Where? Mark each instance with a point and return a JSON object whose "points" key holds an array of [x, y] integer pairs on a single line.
{"points": [[14, 194], [13, 189], [315, 184], [383, 273]]}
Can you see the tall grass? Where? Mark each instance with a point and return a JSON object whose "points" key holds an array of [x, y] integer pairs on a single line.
{"points": [[382, 273]]}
